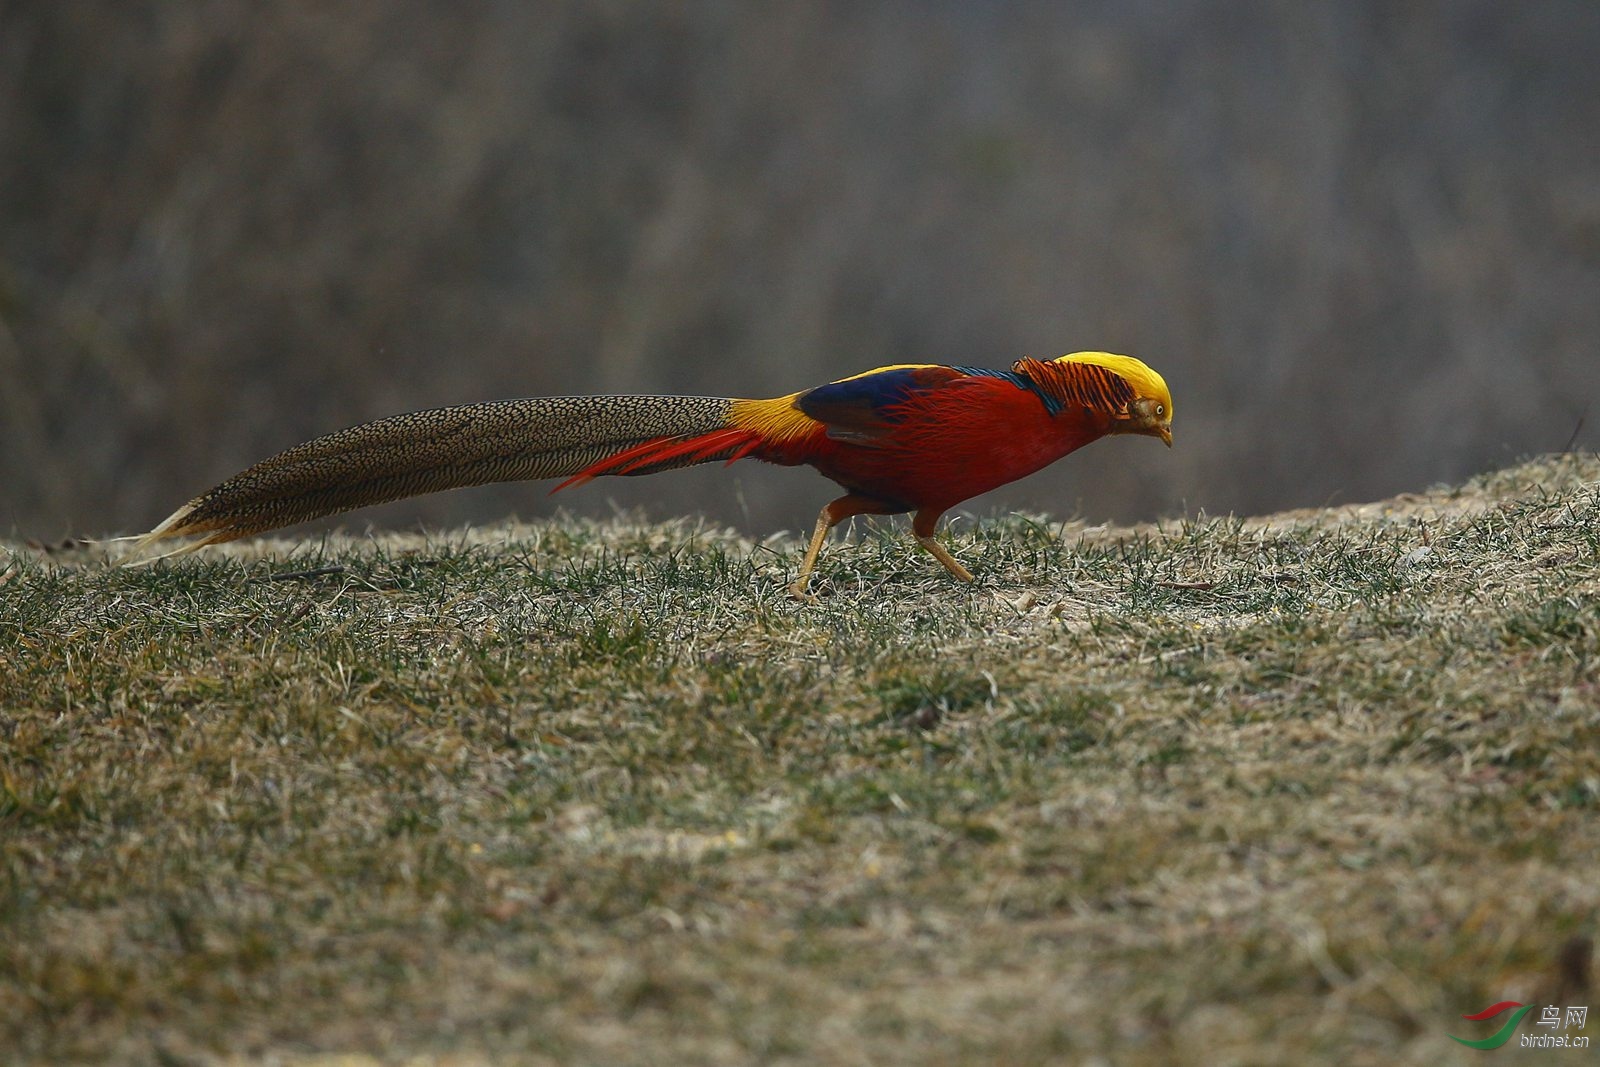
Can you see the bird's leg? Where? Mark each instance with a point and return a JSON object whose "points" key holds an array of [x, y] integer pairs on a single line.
{"points": [[832, 515], [922, 525], [798, 588]]}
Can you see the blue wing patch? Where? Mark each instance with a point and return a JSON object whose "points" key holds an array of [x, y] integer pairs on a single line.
{"points": [[862, 408]]}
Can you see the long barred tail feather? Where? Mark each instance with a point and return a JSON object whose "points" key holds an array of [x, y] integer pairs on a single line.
{"points": [[573, 437]]}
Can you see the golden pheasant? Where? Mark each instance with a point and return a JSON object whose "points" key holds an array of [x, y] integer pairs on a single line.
{"points": [[907, 438]]}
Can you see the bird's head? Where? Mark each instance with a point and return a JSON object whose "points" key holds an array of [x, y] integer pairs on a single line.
{"points": [[1149, 410], [1149, 415]]}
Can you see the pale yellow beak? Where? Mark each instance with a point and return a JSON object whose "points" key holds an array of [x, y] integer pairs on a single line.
{"points": [[1166, 434]]}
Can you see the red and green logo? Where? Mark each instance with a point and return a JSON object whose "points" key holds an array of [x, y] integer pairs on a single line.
{"points": [[1501, 1036]]}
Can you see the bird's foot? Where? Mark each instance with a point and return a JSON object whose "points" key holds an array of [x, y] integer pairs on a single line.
{"points": [[943, 555], [800, 590]]}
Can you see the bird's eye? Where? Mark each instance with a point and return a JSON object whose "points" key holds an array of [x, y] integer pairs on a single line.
{"points": [[1161, 410]]}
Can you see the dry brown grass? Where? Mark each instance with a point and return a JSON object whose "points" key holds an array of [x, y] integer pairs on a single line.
{"points": [[1302, 789]]}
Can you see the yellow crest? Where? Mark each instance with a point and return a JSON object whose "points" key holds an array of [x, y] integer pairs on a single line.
{"points": [[1145, 381]]}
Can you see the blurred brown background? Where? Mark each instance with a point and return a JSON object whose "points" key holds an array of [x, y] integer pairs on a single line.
{"points": [[1362, 239]]}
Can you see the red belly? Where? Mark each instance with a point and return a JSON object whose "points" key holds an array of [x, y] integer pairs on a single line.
{"points": [[953, 446]]}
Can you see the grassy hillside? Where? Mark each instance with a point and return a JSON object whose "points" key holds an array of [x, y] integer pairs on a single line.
{"points": [[1300, 789]]}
